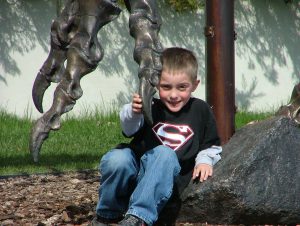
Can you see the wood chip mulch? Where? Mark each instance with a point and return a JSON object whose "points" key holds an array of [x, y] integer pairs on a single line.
{"points": [[51, 199], [60, 199]]}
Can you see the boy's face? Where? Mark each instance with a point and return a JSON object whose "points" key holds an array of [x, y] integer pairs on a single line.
{"points": [[175, 89]]}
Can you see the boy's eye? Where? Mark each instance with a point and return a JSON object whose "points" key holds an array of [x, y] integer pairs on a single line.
{"points": [[165, 87], [182, 87]]}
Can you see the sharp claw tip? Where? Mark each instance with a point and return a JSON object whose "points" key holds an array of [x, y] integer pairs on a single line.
{"points": [[34, 153]]}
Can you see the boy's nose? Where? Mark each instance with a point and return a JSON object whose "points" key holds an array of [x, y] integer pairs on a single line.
{"points": [[173, 94]]}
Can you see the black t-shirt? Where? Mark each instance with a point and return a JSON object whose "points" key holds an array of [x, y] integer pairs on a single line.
{"points": [[187, 132]]}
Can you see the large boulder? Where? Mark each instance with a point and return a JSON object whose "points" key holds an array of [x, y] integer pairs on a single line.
{"points": [[256, 182]]}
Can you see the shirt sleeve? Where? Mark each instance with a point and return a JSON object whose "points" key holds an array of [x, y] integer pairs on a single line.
{"points": [[209, 152], [130, 121], [211, 137], [209, 156]]}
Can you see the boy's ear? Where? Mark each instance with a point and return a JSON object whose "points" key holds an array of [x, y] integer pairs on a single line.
{"points": [[195, 84]]}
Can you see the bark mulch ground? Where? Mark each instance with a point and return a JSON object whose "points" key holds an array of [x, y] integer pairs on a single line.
{"points": [[51, 199], [60, 199]]}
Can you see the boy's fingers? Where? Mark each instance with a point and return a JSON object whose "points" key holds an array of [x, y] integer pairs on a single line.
{"points": [[195, 173], [205, 175], [137, 98], [202, 172], [136, 109], [137, 106], [136, 95], [210, 172], [136, 103]]}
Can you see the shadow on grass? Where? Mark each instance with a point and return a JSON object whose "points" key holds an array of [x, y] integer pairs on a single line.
{"points": [[23, 164]]}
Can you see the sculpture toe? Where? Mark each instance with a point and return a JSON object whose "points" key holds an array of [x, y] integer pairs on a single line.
{"points": [[39, 87], [146, 91], [39, 133]]}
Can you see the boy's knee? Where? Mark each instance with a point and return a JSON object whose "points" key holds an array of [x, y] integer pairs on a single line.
{"points": [[165, 153], [166, 157], [116, 159]]}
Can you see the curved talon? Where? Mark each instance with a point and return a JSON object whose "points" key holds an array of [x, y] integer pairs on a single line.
{"points": [[292, 109], [297, 116], [51, 71], [146, 91], [50, 120], [295, 110], [40, 132], [40, 85]]}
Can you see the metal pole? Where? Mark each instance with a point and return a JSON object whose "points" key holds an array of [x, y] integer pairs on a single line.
{"points": [[220, 81]]}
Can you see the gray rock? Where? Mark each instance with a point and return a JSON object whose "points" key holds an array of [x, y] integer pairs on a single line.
{"points": [[256, 182]]}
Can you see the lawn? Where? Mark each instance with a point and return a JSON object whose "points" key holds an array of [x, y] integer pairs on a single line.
{"points": [[79, 144]]}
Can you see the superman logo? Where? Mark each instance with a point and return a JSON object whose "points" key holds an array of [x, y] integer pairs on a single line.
{"points": [[172, 135]]}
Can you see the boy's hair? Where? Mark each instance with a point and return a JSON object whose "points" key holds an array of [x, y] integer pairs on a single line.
{"points": [[180, 60]]}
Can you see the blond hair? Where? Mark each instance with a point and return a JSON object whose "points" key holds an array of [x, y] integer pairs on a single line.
{"points": [[176, 59]]}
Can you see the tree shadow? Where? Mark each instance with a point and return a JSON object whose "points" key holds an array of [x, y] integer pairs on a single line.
{"points": [[22, 27], [247, 95], [270, 31]]}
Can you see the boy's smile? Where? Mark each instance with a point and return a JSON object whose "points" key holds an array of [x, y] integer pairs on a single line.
{"points": [[175, 89]]}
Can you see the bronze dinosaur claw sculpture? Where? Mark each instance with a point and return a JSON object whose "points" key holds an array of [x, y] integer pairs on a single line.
{"points": [[74, 43], [39, 87], [292, 109], [146, 91], [51, 71], [144, 25], [40, 132]]}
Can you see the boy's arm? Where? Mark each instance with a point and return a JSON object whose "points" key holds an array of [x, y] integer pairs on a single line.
{"points": [[210, 150], [130, 122], [209, 156], [205, 161], [211, 147]]}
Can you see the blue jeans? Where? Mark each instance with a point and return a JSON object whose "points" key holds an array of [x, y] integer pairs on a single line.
{"points": [[138, 187]]}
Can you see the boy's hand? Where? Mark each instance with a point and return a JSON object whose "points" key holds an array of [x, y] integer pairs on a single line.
{"points": [[137, 103], [203, 171]]}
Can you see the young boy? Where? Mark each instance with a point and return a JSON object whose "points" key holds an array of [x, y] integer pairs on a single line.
{"points": [[139, 178]]}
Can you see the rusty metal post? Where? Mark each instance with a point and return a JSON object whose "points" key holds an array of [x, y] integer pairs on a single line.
{"points": [[220, 81]]}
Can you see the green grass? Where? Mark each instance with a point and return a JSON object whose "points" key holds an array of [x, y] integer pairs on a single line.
{"points": [[243, 117], [79, 144]]}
